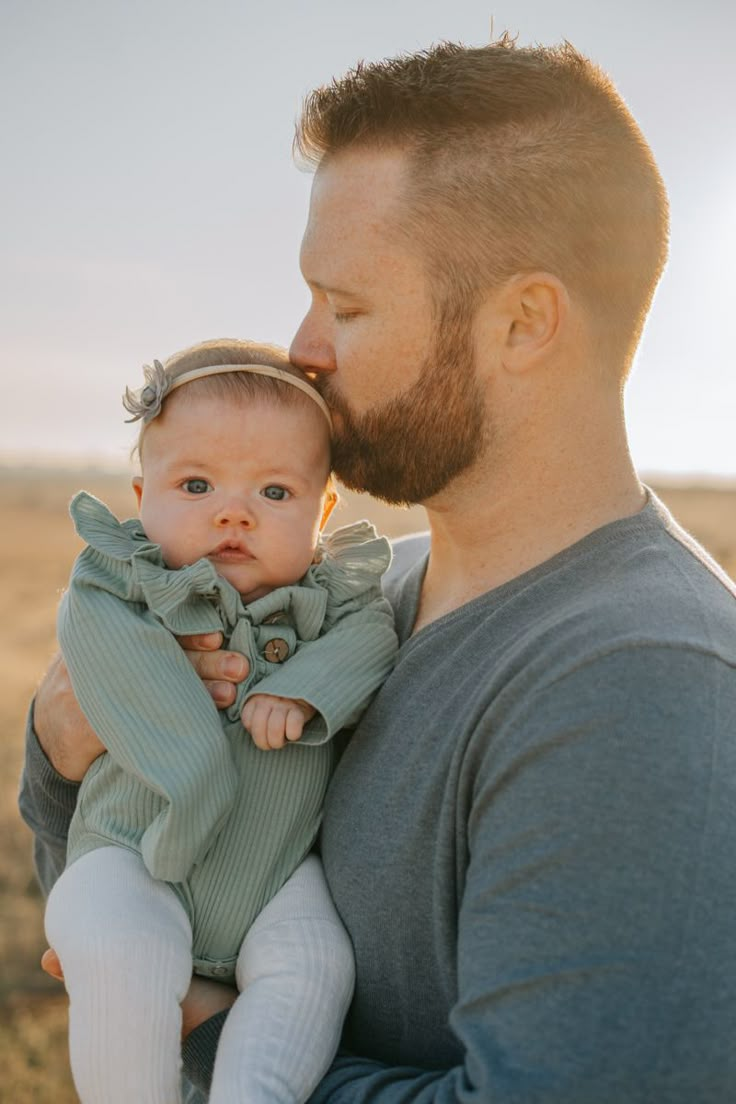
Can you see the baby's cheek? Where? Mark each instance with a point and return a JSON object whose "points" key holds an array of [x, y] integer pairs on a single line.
{"points": [[166, 531]]}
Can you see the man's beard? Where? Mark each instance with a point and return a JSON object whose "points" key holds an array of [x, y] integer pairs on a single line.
{"points": [[410, 447]]}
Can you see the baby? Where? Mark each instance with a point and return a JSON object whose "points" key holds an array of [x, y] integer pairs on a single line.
{"points": [[190, 846]]}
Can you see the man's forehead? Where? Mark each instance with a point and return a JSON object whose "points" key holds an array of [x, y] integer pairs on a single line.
{"points": [[367, 182], [356, 201]]}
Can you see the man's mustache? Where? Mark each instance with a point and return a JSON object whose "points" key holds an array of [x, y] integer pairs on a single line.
{"points": [[332, 397]]}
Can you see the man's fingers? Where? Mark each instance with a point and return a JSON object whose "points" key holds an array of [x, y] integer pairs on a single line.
{"points": [[201, 642], [222, 693], [50, 963], [220, 671], [204, 999], [218, 666]]}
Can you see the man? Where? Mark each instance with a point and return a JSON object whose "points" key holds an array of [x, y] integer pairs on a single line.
{"points": [[530, 836]]}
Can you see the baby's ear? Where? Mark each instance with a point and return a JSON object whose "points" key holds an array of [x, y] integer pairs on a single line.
{"points": [[331, 500], [137, 484]]}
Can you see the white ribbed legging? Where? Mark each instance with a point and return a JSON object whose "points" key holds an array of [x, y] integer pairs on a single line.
{"points": [[125, 946]]}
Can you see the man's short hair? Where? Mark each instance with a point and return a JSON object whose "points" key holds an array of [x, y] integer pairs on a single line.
{"points": [[520, 159]]}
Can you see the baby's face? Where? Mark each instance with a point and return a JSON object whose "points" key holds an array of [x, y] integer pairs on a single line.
{"points": [[243, 484]]}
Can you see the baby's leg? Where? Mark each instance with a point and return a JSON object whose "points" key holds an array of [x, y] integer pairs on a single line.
{"points": [[296, 975], [124, 942]]}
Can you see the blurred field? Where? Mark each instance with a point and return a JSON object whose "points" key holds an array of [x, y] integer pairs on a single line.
{"points": [[36, 554]]}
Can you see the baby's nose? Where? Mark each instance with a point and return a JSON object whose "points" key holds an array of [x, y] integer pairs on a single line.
{"points": [[235, 512]]}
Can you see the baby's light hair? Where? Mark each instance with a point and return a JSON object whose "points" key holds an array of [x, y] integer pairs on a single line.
{"points": [[232, 385]]}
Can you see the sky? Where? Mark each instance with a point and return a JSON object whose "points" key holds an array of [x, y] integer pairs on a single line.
{"points": [[148, 198]]}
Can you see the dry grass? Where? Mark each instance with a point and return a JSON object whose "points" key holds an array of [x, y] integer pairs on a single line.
{"points": [[36, 555]]}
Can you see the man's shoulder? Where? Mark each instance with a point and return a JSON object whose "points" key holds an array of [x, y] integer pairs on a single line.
{"points": [[660, 572], [643, 582], [407, 551]]}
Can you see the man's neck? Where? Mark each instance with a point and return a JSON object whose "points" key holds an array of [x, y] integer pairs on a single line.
{"points": [[491, 530]]}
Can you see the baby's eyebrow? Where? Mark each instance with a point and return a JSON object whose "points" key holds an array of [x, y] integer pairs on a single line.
{"points": [[291, 476]]}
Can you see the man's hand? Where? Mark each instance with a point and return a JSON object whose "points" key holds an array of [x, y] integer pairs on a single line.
{"points": [[273, 721], [62, 729], [220, 671], [52, 966], [204, 998]]}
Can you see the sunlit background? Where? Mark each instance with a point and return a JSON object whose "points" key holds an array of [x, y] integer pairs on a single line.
{"points": [[148, 199]]}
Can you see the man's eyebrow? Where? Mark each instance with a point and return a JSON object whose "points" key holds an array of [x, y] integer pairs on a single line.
{"points": [[332, 289]]}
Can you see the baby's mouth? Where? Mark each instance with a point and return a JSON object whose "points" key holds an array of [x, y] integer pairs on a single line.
{"points": [[230, 551]]}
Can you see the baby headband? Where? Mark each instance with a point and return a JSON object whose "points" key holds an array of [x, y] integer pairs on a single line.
{"points": [[146, 403]]}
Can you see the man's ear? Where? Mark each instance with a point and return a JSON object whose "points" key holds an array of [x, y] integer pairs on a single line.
{"points": [[537, 309], [331, 500], [523, 319], [137, 484]]}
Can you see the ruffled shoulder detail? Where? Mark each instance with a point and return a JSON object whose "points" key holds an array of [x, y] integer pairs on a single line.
{"points": [[100, 529], [353, 559], [186, 601], [122, 560]]}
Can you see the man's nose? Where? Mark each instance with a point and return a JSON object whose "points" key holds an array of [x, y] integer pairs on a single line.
{"points": [[236, 511], [312, 349]]}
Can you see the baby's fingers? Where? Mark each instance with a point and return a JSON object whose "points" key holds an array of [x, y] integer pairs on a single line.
{"points": [[246, 713], [294, 723], [264, 716], [276, 728], [255, 720], [273, 721]]}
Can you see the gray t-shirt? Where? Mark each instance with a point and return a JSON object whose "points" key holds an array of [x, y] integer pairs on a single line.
{"points": [[531, 837]]}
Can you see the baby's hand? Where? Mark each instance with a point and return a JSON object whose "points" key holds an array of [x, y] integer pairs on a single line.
{"points": [[272, 721]]}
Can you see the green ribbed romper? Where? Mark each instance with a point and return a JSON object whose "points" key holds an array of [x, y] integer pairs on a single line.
{"points": [[183, 784]]}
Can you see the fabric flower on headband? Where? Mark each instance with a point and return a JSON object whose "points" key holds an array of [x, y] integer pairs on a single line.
{"points": [[146, 403]]}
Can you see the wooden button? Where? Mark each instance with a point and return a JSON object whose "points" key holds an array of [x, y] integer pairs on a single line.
{"points": [[277, 650]]}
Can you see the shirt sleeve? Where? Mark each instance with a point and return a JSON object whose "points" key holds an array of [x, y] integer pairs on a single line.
{"points": [[46, 802], [595, 947], [199, 1049]]}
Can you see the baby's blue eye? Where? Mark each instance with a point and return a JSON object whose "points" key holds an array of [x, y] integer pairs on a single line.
{"points": [[275, 493], [197, 486]]}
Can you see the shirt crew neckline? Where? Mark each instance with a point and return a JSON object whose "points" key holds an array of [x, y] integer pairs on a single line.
{"points": [[652, 517]]}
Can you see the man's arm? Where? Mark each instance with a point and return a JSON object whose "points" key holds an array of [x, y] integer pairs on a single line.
{"points": [[46, 803]]}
